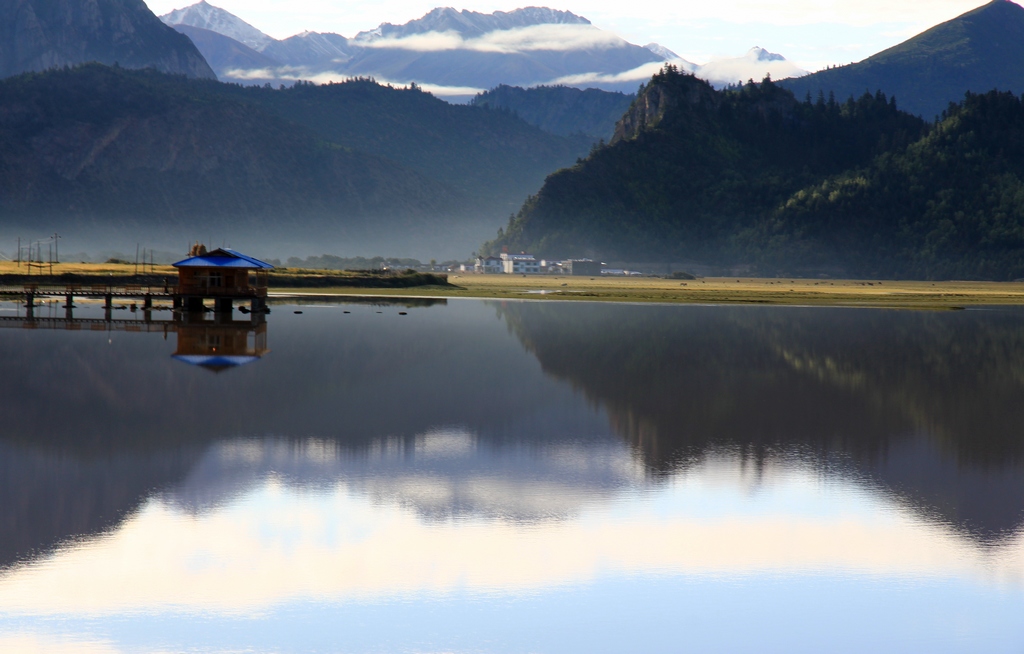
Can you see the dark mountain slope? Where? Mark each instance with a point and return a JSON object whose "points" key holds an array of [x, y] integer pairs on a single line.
{"points": [[102, 149], [561, 109], [41, 34], [978, 51]]}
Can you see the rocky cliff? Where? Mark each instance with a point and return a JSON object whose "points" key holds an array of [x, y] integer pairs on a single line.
{"points": [[38, 35], [656, 100]]}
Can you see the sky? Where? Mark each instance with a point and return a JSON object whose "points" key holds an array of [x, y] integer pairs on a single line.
{"points": [[812, 33]]}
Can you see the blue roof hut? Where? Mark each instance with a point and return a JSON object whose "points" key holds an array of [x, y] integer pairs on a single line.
{"points": [[222, 274]]}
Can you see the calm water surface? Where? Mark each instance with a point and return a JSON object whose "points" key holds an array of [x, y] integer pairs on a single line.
{"points": [[522, 477]]}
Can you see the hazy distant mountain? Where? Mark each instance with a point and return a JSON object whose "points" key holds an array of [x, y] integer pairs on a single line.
{"points": [[663, 52], [978, 51], [314, 49], [41, 34], [526, 47], [755, 65], [471, 23], [561, 109], [217, 20], [224, 54]]}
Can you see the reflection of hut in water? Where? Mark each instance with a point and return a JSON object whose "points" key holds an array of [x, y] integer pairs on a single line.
{"points": [[220, 345], [224, 275]]}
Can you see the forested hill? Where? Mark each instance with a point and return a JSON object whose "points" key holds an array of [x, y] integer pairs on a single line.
{"points": [[104, 153], [492, 157], [560, 109], [111, 149], [756, 177], [979, 51]]}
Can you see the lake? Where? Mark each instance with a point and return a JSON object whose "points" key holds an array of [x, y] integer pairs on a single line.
{"points": [[476, 476]]}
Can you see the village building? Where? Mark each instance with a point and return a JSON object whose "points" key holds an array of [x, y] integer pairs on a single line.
{"points": [[582, 267], [514, 264], [488, 265]]}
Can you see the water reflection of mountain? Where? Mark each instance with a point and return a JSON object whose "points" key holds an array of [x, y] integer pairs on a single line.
{"points": [[104, 419], [46, 497], [926, 405], [931, 405]]}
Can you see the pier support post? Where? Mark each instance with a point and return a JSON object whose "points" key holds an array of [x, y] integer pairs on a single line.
{"points": [[147, 302], [223, 305], [108, 301], [30, 305], [194, 304]]}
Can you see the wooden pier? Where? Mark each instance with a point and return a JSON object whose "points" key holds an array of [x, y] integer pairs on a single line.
{"points": [[215, 342], [223, 275]]}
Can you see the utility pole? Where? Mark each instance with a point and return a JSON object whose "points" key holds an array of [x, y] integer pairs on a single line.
{"points": [[136, 258], [19, 252], [56, 250]]}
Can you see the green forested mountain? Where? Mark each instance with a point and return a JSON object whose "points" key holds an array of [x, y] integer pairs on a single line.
{"points": [[104, 153], [979, 51], [492, 157], [950, 205], [560, 109], [755, 177], [112, 149]]}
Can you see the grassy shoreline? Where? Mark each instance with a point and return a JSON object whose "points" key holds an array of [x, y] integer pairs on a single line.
{"points": [[732, 290], [852, 293]]}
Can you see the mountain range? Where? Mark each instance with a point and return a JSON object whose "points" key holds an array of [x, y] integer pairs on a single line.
{"points": [[455, 54]]}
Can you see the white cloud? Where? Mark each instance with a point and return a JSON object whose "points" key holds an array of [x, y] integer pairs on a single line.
{"points": [[638, 74], [740, 69], [48, 644], [294, 74], [340, 544], [522, 39]]}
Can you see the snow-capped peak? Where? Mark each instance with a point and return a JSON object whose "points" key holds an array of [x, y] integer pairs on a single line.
{"points": [[662, 52], [215, 19], [757, 53]]}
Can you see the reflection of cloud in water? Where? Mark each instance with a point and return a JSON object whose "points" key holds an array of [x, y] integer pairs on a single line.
{"points": [[362, 536], [440, 474]]}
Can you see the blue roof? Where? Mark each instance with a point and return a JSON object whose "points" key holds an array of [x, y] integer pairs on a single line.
{"points": [[215, 362], [223, 258]]}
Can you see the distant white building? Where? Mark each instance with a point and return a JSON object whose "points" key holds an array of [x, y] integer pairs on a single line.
{"points": [[491, 265], [514, 264]]}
